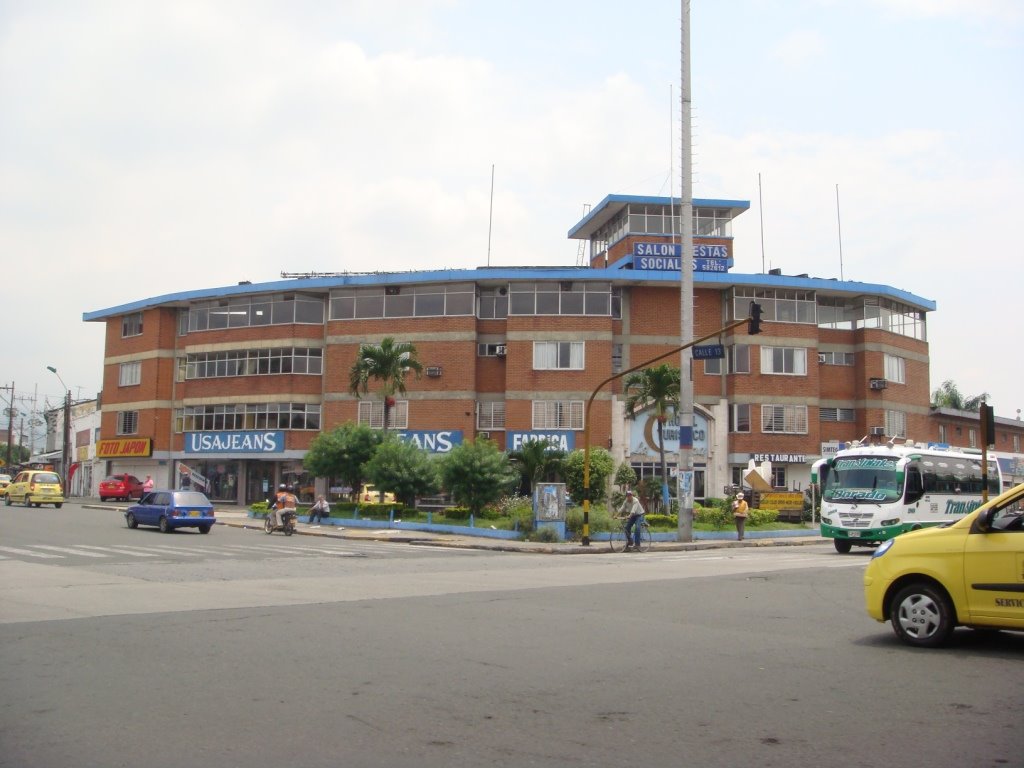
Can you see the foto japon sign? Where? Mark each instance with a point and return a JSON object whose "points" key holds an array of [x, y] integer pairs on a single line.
{"points": [[124, 447]]}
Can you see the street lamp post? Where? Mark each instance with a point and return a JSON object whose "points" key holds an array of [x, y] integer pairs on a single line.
{"points": [[65, 451]]}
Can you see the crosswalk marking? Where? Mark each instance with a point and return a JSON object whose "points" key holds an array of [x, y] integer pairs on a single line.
{"points": [[119, 550], [29, 553], [70, 550]]}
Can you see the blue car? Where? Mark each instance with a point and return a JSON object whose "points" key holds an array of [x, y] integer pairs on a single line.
{"points": [[172, 509]]}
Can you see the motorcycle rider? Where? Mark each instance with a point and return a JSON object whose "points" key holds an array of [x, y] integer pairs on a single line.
{"points": [[282, 491], [289, 504]]}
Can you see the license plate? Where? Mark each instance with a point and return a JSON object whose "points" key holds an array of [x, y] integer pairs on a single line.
{"points": [[854, 534], [194, 513]]}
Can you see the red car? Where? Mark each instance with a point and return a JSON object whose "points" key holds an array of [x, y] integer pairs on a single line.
{"points": [[121, 487]]}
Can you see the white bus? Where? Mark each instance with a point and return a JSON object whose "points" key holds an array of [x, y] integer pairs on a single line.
{"points": [[871, 493]]}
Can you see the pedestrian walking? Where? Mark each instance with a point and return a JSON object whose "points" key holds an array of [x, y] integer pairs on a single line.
{"points": [[319, 511], [147, 484], [740, 510]]}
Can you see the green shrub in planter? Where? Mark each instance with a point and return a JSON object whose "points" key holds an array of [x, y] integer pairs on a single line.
{"points": [[762, 517], [259, 508], [456, 513]]}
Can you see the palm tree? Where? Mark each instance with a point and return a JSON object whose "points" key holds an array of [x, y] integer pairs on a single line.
{"points": [[948, 396], [388, 363], [657, 388], [536, 461]]}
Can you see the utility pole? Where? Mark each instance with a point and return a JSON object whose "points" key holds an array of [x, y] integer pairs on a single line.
{"points": [[10, 422], [684, 479]]}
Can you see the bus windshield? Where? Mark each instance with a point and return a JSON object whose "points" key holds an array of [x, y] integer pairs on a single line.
{"points": [[862, 478]]}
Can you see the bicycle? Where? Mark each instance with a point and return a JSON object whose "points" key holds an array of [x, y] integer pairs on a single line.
{"points": [[617, 537]]}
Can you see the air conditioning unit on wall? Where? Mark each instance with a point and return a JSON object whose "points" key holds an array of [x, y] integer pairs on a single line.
{"points": [[500, 350], [484, 435], [879, 383], [878, 431]]}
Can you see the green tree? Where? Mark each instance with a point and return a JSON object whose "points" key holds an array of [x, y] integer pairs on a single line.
{"points": [[343, 453], [536, 462], [656, 388], [477, 473], [625, 476], [601, 467], [948, 396], [404, 469], [388, 363]]}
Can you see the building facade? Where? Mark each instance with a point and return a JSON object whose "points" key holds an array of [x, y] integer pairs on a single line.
{"points": [[224, 389]]}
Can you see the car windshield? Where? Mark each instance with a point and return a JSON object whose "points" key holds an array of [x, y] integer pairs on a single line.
{"points": [[46, 477], [191, 499]]}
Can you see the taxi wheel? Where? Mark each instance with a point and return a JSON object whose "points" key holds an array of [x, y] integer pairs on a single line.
{"points": [[843, 547], [27, 501], [58, 506], [204, 529], [7, 499], [165, 526], [922, 615], [131, 521]]}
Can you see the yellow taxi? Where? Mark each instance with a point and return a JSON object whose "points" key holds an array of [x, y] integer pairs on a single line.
{"points": [[371, 495], [969, 573], [35, 487]]}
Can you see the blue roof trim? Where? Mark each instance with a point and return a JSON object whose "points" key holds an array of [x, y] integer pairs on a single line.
{"points": [[620, 201], [615, 273]]}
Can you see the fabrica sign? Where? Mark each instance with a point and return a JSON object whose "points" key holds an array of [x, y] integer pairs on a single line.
{"points": [[234, 442], [562, 440]]}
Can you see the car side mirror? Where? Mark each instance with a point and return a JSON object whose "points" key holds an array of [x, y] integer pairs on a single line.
{"points": [[983, 522]]}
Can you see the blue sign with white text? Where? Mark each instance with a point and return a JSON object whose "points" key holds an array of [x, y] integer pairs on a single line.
{"points": [[709, 352], [433, 441], [563, 440], [246, 441]]}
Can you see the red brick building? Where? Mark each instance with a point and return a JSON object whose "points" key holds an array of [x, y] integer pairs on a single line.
{"points": [[230, 385]]}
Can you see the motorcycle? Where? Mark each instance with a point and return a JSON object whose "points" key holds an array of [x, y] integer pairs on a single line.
{"points": [[288, 518]]}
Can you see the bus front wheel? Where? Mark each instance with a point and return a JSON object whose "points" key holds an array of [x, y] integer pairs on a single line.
{"points": [[843, 547]]}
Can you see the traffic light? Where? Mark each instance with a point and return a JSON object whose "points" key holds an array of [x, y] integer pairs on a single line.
{"points": [[988, 425], [754, 321]]}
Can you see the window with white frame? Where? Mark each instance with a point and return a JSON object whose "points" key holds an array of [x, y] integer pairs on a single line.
{"points": [[131, 325], [972, 438], [835, 358], [942, 433], [1016, 443], [130, 374], [490, 415], [557, 414], [779, 476], [791, 419], [739, 358], [739, 417], [713, 366], [371, 413], [895, 369], [895, 423], [127, 422], [558, 355], [836, 414], [791, 360]]}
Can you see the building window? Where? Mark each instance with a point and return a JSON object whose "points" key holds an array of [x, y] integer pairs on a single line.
{"points": [[777, 304], [127, 422], [558, 355], [131, 325], [972, 438], [836, 414], [491, 350], [492, 304], [616, 358], [490, 415], [1016, 443], [371, 413], [130, 374], [942, 433], [237, 417], [739, 358], [739, 417], [281, 309], [895, 424], [791, 419], [778, 476], [895, 369], [713, 366], [430, 300], [561, 297], [254, 362], [792, 360], [835, 358], [557, 414]]}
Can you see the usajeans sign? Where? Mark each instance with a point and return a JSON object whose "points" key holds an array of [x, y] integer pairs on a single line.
{"points": [[253, 441]]}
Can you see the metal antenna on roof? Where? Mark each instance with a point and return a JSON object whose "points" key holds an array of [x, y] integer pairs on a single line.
{"points": [[490, 218], [839, 225]]}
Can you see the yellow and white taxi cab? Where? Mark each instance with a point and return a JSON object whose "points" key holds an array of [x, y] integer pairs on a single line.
{"points": [[970, 573]]}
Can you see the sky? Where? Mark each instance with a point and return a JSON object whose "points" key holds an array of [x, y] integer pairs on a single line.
{"points": [[149, 147]]}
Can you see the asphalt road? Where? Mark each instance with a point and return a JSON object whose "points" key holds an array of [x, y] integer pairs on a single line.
{"points": [[422, 657]]}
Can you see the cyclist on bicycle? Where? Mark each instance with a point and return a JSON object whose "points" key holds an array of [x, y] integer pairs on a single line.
{"points": [[634, 510]]}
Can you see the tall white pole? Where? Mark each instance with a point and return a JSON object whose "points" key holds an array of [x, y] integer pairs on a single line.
{"points": [[490, 218], [685, 475]]}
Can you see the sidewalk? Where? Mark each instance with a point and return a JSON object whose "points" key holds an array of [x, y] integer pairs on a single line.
{"points": [[238, 517]]}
